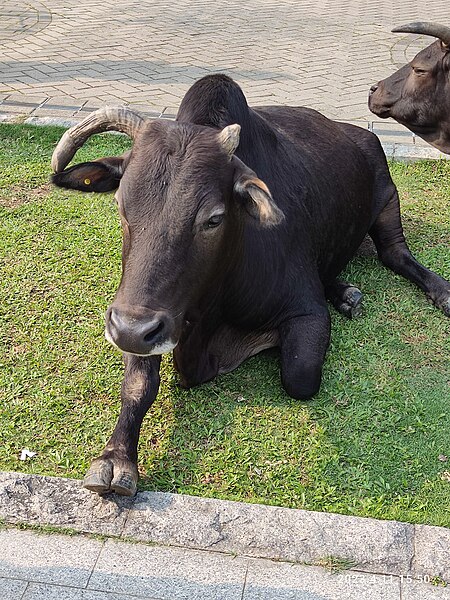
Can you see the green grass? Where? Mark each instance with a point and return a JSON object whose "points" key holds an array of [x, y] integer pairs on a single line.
{"points": [[368, 444]]}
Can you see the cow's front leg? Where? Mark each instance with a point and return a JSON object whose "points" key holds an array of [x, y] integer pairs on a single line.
{"points": [[116, 469], [304, 341]]}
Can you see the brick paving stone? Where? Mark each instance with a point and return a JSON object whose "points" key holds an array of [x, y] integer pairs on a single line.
{"points": [[63, 106], [323, 53], [147, 110], [22, 104], [22, 99]]}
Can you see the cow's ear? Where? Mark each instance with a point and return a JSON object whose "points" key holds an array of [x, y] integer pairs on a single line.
{"points": [[102, 175], [256, 196]]}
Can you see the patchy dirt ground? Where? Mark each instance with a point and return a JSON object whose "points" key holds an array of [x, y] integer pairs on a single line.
{"points": [[18, 195]]}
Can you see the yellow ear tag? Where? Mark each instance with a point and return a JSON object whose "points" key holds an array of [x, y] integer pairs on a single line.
{"points": [[87, 182]]}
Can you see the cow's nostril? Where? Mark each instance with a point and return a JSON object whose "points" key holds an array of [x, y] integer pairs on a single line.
{"points": [[153, 331], [137, 334], [114, 318], [374, 88]]}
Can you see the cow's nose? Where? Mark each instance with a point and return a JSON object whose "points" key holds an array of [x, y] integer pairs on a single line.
{"points": [[143, 334], [373, 89]]}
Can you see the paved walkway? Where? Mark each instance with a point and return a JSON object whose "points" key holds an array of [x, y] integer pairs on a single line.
{"points": [[56, 567], [320, 53]]}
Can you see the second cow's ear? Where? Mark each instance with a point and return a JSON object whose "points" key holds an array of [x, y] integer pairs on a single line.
{"points": [[101, 175], [255, 195]]}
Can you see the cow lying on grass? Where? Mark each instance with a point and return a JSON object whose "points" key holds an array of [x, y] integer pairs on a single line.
{"points": [[418, 94], [236, 224]]}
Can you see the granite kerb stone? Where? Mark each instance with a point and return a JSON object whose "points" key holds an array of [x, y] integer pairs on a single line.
{"points": [[412, 152], [432, 553], [252, 530], [61, 503], [272, 532]]}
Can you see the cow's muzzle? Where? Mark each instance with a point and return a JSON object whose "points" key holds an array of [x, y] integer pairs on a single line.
{"points": [[144, 333], [377, 102]]}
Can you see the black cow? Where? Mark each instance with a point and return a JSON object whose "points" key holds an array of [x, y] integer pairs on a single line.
{"points": [[236, 223], [418, 94]]}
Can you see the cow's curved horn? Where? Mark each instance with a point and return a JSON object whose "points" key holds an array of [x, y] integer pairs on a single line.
{"points": [[229, 138], [440, 31], [109, 118]]}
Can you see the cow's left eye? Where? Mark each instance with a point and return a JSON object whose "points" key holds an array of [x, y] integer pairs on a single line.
{"points": [[419, 71], [214, 221]]}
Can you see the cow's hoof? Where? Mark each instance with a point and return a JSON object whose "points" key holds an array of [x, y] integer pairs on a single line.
{"points": [[445, 307], [351, 305], [111, 475]]}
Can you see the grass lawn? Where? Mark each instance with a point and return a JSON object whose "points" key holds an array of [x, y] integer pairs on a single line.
{"points": [[373, 442]]}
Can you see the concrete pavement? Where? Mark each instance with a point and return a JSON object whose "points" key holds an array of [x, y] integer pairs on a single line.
{"points": [[42, 566], [55, 567]]}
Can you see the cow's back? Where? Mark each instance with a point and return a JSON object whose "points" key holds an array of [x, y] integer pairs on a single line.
{"points": [[328, 182], [318, 175]]}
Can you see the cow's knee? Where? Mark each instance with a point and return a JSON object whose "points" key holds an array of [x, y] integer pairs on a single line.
{"points": [[304, 342], [301, 383]]}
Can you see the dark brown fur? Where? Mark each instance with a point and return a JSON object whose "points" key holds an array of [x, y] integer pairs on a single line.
{"points": [[218, 292], [418, 96]]}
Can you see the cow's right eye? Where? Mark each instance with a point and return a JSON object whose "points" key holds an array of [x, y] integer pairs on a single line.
{"points": [[214, 221]]}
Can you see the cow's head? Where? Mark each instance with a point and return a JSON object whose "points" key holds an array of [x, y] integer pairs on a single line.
{"points": [[183, 199], [418, 94]]}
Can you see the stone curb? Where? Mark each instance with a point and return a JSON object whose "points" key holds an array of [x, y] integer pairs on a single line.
{"points": [[405, 151], [284, 534], [411, 152]]}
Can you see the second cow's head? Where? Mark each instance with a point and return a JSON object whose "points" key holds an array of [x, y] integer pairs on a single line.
{"points": [[418, 94]]}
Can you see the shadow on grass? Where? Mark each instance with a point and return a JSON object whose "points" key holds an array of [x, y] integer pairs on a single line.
{"points": [[368, 444]]}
